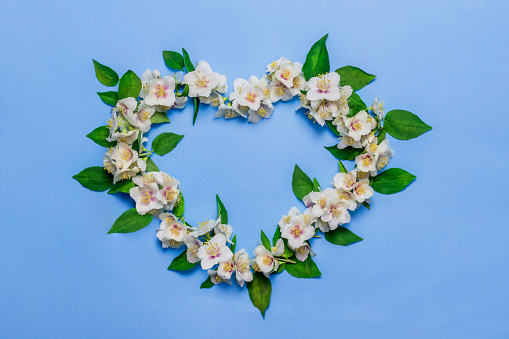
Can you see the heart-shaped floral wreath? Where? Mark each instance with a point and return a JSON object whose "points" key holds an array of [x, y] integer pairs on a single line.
{"points": [[327, 97]]}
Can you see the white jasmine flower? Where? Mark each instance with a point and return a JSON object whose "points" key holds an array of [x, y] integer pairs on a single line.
{"points": [[141, 119], [279, 91], [362, 190], [214, 251], [337, 214], [146, 198], [297, 231], [206, 226], [347, 198], [145, 179], [299, 83], [279, 249], [383, 160], [223, 229], [222, 86], [274, 65], [287, 71], [378, 108], [243, 269], [171, 232], [193, 245], [342, 103], [118, 159], [303, 252], [146, 78], [366, 162], [324, 87], [214, 99], [323, 110], [345, 181], [170, 190], [264, 111], [161, 92], [359, 125], [216, 279], [246, 94], [126, 106], [180, 102], [321, 201], [202, 80], [226, 111], [226, 269], [265, 260]]}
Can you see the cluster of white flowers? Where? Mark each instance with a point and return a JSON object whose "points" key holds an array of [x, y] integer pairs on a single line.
{"points": [[155, 192], [254, 98], [131, 118]]}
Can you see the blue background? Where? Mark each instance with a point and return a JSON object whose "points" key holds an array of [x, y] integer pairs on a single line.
{"points": [[434, 262]]}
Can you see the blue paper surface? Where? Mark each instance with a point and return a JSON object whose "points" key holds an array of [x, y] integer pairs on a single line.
{"points": [[434, 260]]}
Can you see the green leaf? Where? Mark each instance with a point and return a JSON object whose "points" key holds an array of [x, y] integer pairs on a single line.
{"points": [[185, 92], [381, 136], [207, 283], [95, 179], [354, 77], [342, 236], [316, 185], [165, 143], [260, 290], [265, 241], [391, 181], [109, 98], [347, 153], [233, 244], [277, 236], [221, 211], [280, 269], [404, 125], [306, 269], [342, 167], [180, 263], [178, 210], [129, 86], [99, 136], [355, 105], [173, 60], [130, 221], [301, 184], [366, 204], [288, 251], [332, 127], [151, 166], [196, 102], [105, 75], [317, 60], [122, 186], [187, 61], [159, 118]]}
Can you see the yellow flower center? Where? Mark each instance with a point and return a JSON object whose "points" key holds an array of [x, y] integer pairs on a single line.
{"points": [[160, 91], [201, 82], [251, 97], [367, 161], [286, 74], [296, 231], [146, 197]]}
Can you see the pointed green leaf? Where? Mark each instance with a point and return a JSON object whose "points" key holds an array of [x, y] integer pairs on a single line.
{"points": [[366, 204], [99, 136], [129, 86], [354, 77], [207, 283], [151, 166], [306, 269], [260, 290], [265, 241], [105, 75], [221, 211], [381, 135], [185, 92], [196, 102], [404, 125], [178, 210], [332, 128], [317, 60], [180, 263], [316, 185], [130, 221], [301, 183], [173, 60], [342, 167], [280, 269], [233, 244], [391, 181], [165, 143], [277, 236], [347, 153], [187, 61], [159, 118], [122, 186], [95, 178], [355, 105], [342, 236], [109, 98]]}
